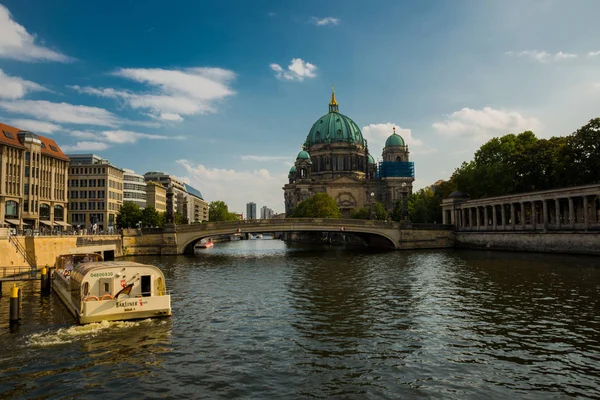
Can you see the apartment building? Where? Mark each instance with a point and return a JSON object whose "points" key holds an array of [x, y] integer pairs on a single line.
{"points": [[195, 208], [95, 192], [33, 181], [156, 195]]}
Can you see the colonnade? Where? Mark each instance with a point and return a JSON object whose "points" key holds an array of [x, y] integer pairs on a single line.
{"points": [[562, 209]]}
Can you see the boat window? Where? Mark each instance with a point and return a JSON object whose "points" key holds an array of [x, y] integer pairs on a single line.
{"points": [[146, 285], [86, 288], [105, 286]]}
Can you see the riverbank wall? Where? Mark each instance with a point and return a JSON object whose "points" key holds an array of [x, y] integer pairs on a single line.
{"points": [[45, 249], [544, 242]]}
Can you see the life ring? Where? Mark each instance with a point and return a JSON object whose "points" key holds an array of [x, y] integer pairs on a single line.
{"points": [[106, 297], [92, 298]]}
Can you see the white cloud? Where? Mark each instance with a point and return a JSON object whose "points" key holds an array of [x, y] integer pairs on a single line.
{"points": [[593, 53], [83, 134], [564, 56], [377, 134], [62, 112], [265, 158], [325, 21], [486, 123], [85, 146], [296, 71], [13, 87], [35, 126], [173, 92], [18, 44], [119, 136], [236, 188], [541, 56]]}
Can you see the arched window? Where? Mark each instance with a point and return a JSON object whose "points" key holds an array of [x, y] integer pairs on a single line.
{"points": [[44, 211], [398, 159], [11, 209], [318, 137], [59, 213]]}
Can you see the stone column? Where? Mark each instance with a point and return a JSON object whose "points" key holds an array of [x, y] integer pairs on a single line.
{"points": [[478, 218], [571, 213], [545, 213], [522, 215], [494, 222], [557, 202], [485, 218], [463, 221], [533, 215], [512, 216], [503, 218], [586, 220]]}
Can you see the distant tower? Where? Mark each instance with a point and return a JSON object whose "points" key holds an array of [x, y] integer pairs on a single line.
{"points": [[251, 210]]}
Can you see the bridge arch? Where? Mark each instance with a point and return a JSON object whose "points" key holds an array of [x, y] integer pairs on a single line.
{"points": [[375, 233]]}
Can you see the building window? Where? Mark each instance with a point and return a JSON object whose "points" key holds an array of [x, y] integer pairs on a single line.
{"points": [[44, 211], [26, 172], [26, 189], [59, 213]]}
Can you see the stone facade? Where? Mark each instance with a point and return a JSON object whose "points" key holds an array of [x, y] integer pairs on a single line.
{"points": [[573, 208], [335, 159], [33, 181]]}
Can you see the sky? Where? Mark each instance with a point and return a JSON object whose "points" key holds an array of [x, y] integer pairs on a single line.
{"points": [[223, 94]]}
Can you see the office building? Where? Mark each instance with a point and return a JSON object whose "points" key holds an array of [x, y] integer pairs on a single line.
{"points": [[33, 181], [95, 192], [134, 188], [251, 210]]}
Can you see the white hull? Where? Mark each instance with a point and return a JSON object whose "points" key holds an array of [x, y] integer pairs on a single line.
{"points": [[138, 307]]}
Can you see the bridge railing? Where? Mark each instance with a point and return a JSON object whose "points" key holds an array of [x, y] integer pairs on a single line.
{"points": [[276, 222]]}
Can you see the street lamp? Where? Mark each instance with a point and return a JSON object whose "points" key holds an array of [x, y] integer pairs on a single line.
{"points": [[371, 212]]}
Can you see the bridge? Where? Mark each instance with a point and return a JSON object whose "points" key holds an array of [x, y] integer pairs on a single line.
{"points": [[181, 239]]}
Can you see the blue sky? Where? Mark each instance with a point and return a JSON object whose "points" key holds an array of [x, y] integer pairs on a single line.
{"points": [[222, 94]]}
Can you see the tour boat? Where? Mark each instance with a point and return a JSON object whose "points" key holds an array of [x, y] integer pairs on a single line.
{"points": [[205, 244], [94, 290]]}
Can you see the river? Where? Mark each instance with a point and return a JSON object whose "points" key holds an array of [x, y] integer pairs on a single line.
{"points": [[265, 319]]}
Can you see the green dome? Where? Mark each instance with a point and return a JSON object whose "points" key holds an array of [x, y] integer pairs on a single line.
{"points": [[293, 169], [303, 155], [371, 160], [334, 128], [394, 140]]}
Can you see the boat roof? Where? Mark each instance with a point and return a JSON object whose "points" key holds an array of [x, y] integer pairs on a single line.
{"points": [[85, 268]]}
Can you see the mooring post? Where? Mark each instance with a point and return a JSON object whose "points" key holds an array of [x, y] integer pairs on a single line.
{"points": [[15, 310], [45, 282]]}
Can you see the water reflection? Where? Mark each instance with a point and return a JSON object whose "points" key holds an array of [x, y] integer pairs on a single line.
{"points": [[264, 319]]}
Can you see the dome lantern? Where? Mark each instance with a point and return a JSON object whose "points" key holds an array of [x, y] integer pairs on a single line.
{"points": [[333, 104]]}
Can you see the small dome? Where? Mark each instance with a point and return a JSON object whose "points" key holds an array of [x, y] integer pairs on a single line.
{"points": [[303, 155], [293, 169], [370, 160], [394, 140], [458, 195]]}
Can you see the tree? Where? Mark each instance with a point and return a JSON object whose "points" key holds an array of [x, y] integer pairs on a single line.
{"points": [[376, 211], [179, 219], [321, 205], [129, 215], [150, 217], [424, 206], [219, 211]]}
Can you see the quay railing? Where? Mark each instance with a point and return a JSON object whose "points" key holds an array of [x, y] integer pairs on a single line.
{"points": [[31, 260]]}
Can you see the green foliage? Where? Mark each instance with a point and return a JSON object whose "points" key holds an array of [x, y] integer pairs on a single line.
{"points": [[150, 217], [179, 219], [523, 163], [376, 211], [424, 206], [321, 205], [219, 211], [129, 215]]}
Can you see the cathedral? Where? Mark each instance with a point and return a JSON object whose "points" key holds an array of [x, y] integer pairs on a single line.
{"points": [[335, 159]]}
